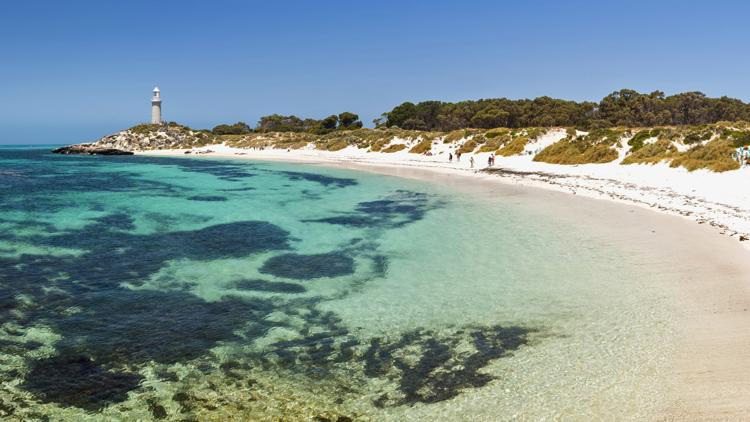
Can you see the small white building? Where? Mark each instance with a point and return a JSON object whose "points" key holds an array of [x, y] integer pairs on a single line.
{"points": [[156, 107]]}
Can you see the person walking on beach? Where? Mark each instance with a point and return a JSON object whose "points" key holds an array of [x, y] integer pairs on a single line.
{"points": [[450, 157], [458, 157], [471, 161]]}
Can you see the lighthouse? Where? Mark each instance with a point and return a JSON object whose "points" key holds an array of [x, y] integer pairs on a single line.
{"points": [[156, 107]]}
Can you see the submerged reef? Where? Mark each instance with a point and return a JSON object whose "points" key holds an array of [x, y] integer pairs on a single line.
{"points": [[308, 267], [85, 328], [394, 211]]}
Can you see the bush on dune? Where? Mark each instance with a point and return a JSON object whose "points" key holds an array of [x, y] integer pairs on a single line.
{"points": [[422, 147], [739, 138], [594, 147], [495, 143], [514, 147], [653, 153], [394, 148], [637, 141], [715, 156], [468, 147], [459, 134]]}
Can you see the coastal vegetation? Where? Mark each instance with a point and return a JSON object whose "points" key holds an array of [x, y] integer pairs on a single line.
{"points": [[705, 146], [715, 156], [168, 135], [597, 146], [697, 147], [652, 153], [626, 107], [281, 123]]}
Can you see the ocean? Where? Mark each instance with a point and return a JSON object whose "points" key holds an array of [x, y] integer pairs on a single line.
{"points": [[149, 288]]}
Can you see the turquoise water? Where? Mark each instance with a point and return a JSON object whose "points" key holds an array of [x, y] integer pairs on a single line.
{"points": [[197, 289]]}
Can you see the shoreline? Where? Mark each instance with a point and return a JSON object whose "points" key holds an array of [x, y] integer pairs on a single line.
{"points": [[712, 359], [714, 199]]}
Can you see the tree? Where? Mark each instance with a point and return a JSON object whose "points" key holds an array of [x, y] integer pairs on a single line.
{"points": [[238, 128], [625, 107], [349, 120], [490, 117], [279, 123], [330, 122], [400, 114], [414, 124]]}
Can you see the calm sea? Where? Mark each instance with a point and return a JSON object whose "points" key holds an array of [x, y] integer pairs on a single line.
{"points": [[138, 288]]}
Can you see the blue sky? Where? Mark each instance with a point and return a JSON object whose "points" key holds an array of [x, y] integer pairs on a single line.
{"points": [[73, 71]]}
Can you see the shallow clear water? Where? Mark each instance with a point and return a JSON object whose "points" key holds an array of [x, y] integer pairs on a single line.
{"points": [[198, 289]]}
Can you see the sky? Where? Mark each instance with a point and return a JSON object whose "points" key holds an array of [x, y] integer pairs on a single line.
{"points": [[74, 71]]}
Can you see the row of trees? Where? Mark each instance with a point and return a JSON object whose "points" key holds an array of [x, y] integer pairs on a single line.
{"points": [[621, 108], [279, 123]]}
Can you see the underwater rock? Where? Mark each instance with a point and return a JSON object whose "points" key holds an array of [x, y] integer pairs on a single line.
{"points": [[308, 267], [268, 286], [207, 198], [157, 411], [78, 381]]}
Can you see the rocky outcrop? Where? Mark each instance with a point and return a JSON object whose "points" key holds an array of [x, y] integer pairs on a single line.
{"points": [[91, 149], [151, 137], [143, 137]]}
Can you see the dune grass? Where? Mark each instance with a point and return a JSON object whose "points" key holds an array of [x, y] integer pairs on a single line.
{"points": [[739, 138], [715, 155], [639, 139], [468, 146], [394, 148], [597, 146], [422, 147], [653, 153], [513, 147], [710, 146]]}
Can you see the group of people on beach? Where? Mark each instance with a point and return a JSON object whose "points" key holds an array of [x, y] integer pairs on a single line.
{"points": [[490, 159], [742, 155]]}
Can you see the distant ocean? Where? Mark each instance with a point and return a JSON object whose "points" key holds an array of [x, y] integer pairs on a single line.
{"points": [[201, 289]]}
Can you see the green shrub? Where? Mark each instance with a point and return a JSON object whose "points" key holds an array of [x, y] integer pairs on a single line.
{"points": [[715, 156], [535, 132], [514, 147], [144, 129], [696, 135], [394, 148], [595, 147], [458, 135], [336, 145], [494, 133], [653, 153], [422, 147], [637, 141], [495, 143], [468, 147], [739, 138]]}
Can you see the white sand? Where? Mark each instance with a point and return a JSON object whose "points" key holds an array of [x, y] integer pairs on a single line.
{"points": [[721, 200]]}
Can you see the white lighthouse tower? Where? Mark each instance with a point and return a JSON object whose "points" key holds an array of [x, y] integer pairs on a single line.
{"points": [[156, 107]]}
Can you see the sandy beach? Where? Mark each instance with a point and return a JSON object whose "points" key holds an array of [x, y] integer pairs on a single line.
{"points": [[711, 366], [706, 197]]}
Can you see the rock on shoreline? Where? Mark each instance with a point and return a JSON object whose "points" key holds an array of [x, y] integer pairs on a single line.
{"points": [[90, 149], [142, 138]]}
